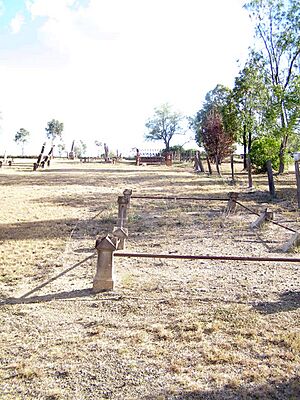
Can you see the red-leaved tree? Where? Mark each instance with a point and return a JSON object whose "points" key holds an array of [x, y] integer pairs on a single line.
{"points": [[217, 143]]}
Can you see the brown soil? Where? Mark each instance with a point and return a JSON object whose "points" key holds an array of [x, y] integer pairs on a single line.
{"points": [[171, 329]]}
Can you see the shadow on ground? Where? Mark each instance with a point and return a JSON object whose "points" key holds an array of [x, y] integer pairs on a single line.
{"points": [[52, 229], [288, 301], [74, 294], [289, 389]]}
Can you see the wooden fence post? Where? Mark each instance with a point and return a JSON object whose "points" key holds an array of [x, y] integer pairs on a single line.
{"points": [[232, 169], [249, 170], [297, 181], [263, 217], [208, 165], [198, 166], [231, 205], [270, 179]]}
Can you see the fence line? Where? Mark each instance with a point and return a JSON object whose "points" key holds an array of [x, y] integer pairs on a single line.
{"points": [[179, 198], [208, 257], [209, 199], [269, 220]]}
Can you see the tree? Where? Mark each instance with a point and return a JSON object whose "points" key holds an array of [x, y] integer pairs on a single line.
{"points": [[251, 97], [263, 149], [163, 125], [217, 142], [277, 25], [80, 149], [219, 99], [54, 129], [61, 147], [21, 137], [99, 145]]}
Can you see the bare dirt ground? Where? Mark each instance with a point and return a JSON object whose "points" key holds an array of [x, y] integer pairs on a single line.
{"points": [[171, 329]]}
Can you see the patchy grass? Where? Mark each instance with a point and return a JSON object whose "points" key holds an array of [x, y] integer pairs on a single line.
{"points": [[171, 329]]}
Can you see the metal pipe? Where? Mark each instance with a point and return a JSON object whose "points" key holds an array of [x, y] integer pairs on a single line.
{"points": [[208, 199], [212, 257], [269, 220], [178, 198]]}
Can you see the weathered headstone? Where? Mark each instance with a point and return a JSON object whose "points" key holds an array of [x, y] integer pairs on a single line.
{"points": [[104, 279]]}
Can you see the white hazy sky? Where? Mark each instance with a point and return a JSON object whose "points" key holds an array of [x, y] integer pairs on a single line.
{"points": [[101, 66]]}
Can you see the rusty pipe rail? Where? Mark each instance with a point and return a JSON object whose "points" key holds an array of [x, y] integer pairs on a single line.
{"points": [[179, 198], [210, 199], [269, 220], [208, 257]]}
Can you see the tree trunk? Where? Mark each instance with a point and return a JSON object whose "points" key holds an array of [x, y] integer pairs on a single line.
{"points": [[283, 146], [245, 146], [249, 142], [284, 140]]}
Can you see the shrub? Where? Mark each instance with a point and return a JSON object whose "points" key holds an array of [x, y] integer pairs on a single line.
{"points": [[264, 149]]}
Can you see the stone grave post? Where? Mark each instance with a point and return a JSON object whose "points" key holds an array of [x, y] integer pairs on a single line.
{"points": [[122, 234], [104, 279]]}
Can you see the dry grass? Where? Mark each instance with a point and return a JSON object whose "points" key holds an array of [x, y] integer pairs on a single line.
{"points": [[171, 329]]}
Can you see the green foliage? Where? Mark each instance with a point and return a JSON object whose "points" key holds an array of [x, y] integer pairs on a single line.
{"points": [[219, 99], [163, 125], [54, 129], [251, 96], [264, 149], [277, 24], [80, 149]]}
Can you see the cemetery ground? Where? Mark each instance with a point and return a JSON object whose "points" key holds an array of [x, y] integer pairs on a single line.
{"points": [[171, 329]]}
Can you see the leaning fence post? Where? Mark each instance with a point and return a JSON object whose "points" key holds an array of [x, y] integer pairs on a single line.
{"points": [[208, 165], [297, 180], [292, 243], [263, 217], [270, 179], [104, 278], [231, 205]]}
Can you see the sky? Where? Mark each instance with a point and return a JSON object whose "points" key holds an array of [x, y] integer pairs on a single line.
{"points": [[102, 66]]}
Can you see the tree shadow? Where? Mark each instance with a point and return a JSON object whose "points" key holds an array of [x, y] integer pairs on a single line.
{"points": [[289, 389], [46, 229], [73, 294], [48, 297], [288, 301]]}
